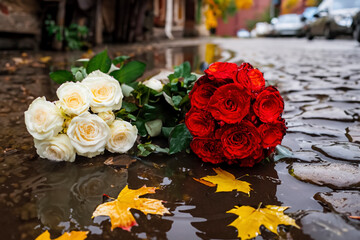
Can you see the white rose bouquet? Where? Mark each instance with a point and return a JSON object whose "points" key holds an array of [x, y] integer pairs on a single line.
{"points": [[83, 120], [101, 106]]}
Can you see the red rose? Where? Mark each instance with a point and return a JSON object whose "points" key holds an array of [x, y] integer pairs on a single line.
{"points": [[221, 71], [251, 78], [209, 150], [245, 66], [200, 123], [202, 80], [272, 133], [269, 105], [201, 96], [230, 103], [241, 141]]}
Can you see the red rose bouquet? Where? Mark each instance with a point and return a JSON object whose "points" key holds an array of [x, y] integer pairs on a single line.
{"points": [[234, 118]]}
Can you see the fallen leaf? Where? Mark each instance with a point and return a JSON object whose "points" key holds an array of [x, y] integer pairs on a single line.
{"points": [[73, 235], [10, 68], [21, 61], [250, 219], [45, 59], [225, 181], [122, 160], [119, 209], [88, 54], [209, 184]]}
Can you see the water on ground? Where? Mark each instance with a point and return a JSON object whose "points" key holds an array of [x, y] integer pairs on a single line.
{"points": [[319, 178]]}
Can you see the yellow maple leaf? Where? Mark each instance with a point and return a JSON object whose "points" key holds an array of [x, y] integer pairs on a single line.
{"points": [[73, 235], [250, 220], [119, 209], [225, 181]]}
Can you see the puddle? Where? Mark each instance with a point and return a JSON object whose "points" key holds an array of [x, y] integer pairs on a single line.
{"points": [[321, 105]]}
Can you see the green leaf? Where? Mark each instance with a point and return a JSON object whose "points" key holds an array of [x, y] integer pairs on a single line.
{"points": [[166, 131], [180, 139], [182, 70], [175, 86], [129, 107], [120, 60], [100, 61], [176, 100], [168, 99], [132, 117], [146, 149], [140, 125], [282, 152], [123, 114], [184, 100], [171, 77], [74, 70], [189, 80], [186, 69], [79, 73], [61, 76], [129, 72]]}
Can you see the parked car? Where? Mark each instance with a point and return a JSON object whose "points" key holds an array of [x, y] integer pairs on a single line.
{"points": [[307, 17], [309, 13], [334, 17], [243, 33], [288, 25]]}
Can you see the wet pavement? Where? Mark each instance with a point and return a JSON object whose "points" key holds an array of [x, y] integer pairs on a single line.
{"points": [[316, 172]]}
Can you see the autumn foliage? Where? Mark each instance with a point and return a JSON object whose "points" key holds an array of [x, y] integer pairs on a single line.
{"points": [[119, 209]]}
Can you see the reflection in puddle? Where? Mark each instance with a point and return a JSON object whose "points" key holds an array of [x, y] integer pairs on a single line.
{"points": [[71, 193]]}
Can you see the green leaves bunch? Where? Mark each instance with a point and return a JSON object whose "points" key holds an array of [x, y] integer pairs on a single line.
{"points": [[170, 106], [142, 106]]}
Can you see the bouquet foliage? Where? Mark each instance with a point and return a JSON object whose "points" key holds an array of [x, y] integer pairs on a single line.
{"points": [[228, 115]]}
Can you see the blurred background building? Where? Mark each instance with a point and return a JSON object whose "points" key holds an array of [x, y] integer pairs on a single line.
{"points": [[78, 24]]}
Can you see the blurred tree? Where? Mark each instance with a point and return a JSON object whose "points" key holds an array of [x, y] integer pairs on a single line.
{"points": [[215, 9], [289, 6], [312, 3]]}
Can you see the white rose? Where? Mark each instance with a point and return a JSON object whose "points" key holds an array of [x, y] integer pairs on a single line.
{"points": [[58, 148], [43, 119], [88, 134], [122, 136], [74, 98], [108, 117], [106, 94], [154, 84]]}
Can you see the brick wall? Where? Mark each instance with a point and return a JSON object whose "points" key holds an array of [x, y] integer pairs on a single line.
{"points": [[240, 19]]}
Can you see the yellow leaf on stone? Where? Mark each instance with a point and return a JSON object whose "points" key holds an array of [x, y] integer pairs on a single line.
{"points": [[250, 219], [73, 235], [45, 59], [119, 209], [225, 181]]}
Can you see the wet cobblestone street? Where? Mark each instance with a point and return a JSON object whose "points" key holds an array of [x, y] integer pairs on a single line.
{"points": [[316, 170]]}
